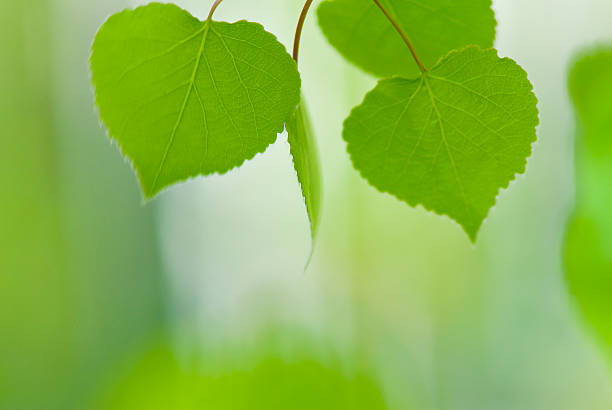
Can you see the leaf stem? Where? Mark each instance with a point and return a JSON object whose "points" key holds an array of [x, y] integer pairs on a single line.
{"points": [[212, 10], [401, 33], [298, 31]]}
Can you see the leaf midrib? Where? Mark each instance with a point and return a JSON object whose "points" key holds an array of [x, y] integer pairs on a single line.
{"points": [[445, 141], [190, 87]]}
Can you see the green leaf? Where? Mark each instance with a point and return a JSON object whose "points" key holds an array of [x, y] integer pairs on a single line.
{"points": [[161, 380], [361, 33], [450, 139], [590, 86], [183, 97], [588, 243], [588, 268], [307, 165]]}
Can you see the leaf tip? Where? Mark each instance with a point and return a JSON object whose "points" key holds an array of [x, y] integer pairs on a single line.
{"points": [[309, 260], [472, 234], [147, 194]]}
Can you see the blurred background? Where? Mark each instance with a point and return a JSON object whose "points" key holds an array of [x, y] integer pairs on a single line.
{"points": [[199, 299]]}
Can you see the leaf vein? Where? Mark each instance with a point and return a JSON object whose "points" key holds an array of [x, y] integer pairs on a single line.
{"points": [[179, 119]]}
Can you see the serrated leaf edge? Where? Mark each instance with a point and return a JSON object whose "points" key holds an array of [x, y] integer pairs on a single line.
{"points": [[472, 236], [114, 140]]}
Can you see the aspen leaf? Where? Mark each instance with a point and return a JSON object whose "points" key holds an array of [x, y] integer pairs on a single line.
{"points": [[362, 34], [449, 139], [184, 97]]}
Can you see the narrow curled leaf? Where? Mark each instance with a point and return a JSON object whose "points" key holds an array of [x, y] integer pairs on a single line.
{"points": [[450, 139], [306, 162], [588, 243], [361, 33], [183, 97]]}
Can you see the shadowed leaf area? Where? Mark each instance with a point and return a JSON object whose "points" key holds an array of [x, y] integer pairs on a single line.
{"points": [[362, 34]]}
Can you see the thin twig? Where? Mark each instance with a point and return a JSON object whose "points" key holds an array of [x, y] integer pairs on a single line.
{"points": [[401, 32], [298, 31], [212, 10]]}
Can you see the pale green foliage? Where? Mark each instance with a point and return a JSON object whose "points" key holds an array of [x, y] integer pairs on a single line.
{"points": [[184, 97], [262, 381], [306, 162], [450, 139], [361, 32], [588, 246]]}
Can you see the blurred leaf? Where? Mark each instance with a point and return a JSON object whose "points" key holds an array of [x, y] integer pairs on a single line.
{"points": [[589, 274], [307, 165], [590, 86], [588, 245], [362, 34], [450, 139], [160, 381], [184, 97]]}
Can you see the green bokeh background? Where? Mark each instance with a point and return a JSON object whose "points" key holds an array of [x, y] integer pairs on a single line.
{"points": [[199, 299]]}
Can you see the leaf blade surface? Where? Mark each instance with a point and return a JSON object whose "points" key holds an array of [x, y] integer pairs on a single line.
{"points": [[449, 140], [362, 34], [183, 98]]}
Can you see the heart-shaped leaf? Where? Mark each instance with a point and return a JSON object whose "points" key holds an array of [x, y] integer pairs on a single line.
{"points": [[450, 139], [184, 97]]}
